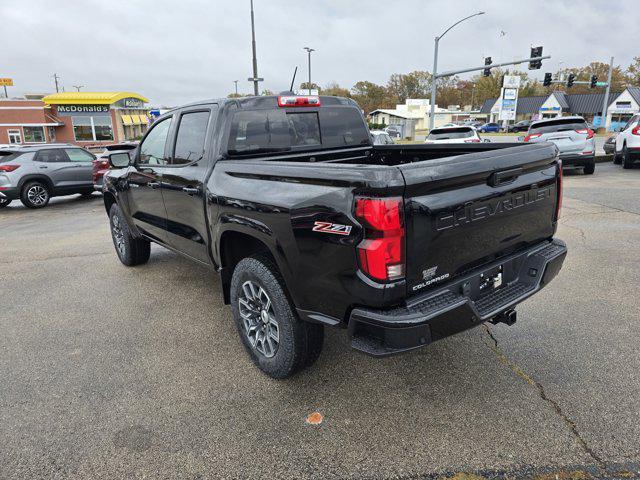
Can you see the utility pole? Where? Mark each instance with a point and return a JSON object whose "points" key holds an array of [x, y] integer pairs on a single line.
{"points": [[236, 82], [255, 78], [309, 50], [55, 79], [605, 102], [435, 69]]}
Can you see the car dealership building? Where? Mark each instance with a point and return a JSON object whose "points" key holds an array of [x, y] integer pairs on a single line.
{"points": [[86, 119]]}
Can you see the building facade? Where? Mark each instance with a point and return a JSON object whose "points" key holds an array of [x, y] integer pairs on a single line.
{"points": [[86, 119], [621, 107]]}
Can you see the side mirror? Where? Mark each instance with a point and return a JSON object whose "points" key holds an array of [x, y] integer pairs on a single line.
{"points": [[119, 160]]}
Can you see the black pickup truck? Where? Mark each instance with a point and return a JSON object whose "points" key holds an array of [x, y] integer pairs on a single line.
{"points": [[309, 224]]}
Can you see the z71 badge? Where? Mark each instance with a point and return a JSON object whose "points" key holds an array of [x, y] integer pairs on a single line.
{"points": [[335, 228]]}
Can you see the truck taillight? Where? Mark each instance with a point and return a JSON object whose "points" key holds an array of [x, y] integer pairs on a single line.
{"points": [[299, 101], [381, 252], [588, 131], [531, 136], [559, 204]]}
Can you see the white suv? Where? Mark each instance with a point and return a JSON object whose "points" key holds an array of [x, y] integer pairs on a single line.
{"points": [[627, 149]]}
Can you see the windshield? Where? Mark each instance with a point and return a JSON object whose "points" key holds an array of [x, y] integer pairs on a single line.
{"points": [[560, 125], [273, 131], [450, 133]]}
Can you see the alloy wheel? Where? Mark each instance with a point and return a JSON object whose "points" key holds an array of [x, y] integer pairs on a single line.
{"points": [[259, 319], [118, 234], [37, 195]]}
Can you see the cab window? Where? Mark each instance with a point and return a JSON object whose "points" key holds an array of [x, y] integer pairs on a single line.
{"points": [[152, 147]]}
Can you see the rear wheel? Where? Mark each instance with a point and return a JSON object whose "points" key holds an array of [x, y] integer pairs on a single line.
{"points": [[131, 250], [4, 202], [627, 162], [35, 195], [277, 341]]}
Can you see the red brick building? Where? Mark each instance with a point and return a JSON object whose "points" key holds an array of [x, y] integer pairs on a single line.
{"points": [[83, 118]]}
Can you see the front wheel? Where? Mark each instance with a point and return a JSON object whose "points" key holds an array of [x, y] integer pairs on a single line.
{"points": [[131, 250], [277, 341]]}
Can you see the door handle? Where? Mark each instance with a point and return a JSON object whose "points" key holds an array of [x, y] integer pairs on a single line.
{"points": [[191, 191], [153, 185], [43, 166]]}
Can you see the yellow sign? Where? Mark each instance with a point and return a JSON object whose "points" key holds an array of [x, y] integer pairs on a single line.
{"points": [[7, 82]]}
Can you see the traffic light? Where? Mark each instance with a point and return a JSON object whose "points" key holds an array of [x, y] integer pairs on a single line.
{"points": [[487, 71], [535, 64], [547, 79], [570, 79], [594, 81]]}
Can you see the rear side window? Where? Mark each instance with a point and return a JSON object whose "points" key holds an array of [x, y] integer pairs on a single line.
{"points": [[273, 131], [192, 132], [56, 155], [559, 125], [450, 133]]}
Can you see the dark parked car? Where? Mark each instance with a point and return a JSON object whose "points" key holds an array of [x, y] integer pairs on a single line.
{"points": [[489, 127], [521, 126], [610, 145], [34, 174], [400, 244]]}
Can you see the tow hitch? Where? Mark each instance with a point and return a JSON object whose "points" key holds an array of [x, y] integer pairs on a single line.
{"points": [[508, 317]]}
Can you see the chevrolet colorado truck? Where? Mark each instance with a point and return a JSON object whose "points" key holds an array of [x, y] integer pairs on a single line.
{"points": [[309, 224]]}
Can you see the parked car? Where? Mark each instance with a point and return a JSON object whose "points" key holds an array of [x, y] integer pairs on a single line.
{"points": [[394, 131], [473, 123], [572, 137], [400, 244], [101, 163], [489, 127], [610, 145], [453, 134], [627, 146], [34, 174], [521, 126], [381, 137]]}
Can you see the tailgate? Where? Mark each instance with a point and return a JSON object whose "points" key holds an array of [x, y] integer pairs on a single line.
{"points": [[464, 211], [566, 141]]}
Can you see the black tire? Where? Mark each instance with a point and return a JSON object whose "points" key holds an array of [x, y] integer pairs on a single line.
{"points": [[35, 194], [627, 162], [4, 202], [299, 343], [590, 167], [617, 159], [131, 251]]}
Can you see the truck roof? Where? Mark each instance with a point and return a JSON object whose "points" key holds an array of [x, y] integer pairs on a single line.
{"points": [[266, 101]]}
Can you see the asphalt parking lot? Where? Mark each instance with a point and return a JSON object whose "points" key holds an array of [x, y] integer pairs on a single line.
{"points": [[115, 372]]}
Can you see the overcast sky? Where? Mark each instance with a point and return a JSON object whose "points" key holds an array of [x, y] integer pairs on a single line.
{"points": [[179, 51]]}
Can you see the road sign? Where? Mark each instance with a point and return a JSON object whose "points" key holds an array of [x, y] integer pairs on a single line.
{"points": [[7, 82]]}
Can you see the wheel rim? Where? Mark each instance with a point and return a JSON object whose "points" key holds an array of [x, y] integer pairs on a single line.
{"points": [[37, 195], [118, 234], [259, 319]]}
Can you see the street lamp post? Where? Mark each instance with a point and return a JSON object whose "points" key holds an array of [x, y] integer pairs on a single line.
{"points": [[435, 68], [309, 50]]}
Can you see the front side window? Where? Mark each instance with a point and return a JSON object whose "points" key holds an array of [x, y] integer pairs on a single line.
{"points": [[190, 139], [14, 136], [33, 134], [152, 147], [78, 155]]}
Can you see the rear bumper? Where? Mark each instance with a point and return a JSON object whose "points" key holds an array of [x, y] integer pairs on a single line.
{"points": [[457, 306], [575, 160], [10, 194]]}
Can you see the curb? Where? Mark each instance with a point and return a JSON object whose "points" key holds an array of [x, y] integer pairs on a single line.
{"points": [[604, 158]]}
